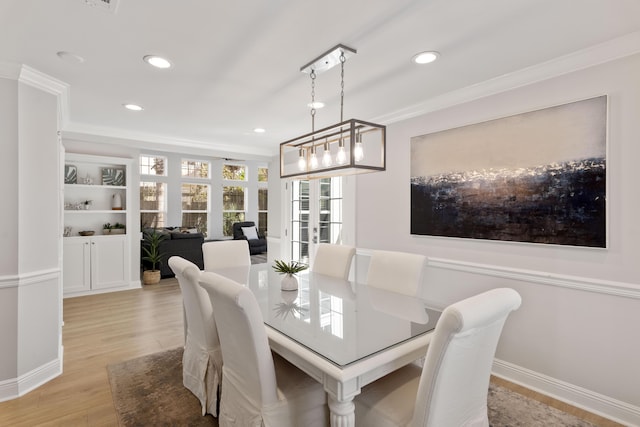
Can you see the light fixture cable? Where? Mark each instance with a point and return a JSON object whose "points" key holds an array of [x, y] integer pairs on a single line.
{"points": [[341, 157]]}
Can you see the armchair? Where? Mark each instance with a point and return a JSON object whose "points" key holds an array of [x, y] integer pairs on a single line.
{"points": [[257, 242]]}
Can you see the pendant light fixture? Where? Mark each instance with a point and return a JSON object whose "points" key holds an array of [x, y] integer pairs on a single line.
{"points": [[348, 147]]}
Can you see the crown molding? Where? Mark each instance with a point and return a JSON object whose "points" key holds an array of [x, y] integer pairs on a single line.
{"points": [[46, 83], [595, 55], [105, 135], [42, 81], [34, 78]]}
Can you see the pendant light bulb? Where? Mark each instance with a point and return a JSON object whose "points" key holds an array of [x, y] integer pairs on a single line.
{"points": [[358, 150], [314, 158], [341, 157], [326, 156], [302, 162]]}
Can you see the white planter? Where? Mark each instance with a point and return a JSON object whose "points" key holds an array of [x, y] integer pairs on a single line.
{"points": [[289, 283]]}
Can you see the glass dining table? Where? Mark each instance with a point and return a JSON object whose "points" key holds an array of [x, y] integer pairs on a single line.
{"points": [[342, 333]]}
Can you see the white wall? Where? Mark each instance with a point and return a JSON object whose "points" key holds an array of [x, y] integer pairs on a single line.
{"points": [[8, 174], [30, 286], [576, 334], [9, 234]]}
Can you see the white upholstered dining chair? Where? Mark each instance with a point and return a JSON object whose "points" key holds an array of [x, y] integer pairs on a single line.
{"points": [[451, 389], [226, 253], [333, 260], [396, 271], [202, 358], [258, 388]]}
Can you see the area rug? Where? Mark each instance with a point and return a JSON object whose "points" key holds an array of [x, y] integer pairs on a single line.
{"points": [[148, 391]]}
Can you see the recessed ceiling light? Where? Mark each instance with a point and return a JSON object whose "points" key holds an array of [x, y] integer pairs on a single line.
{"points": [[259, 130], [425, 57], [317, 104], [157, 61], [70, 57], [133, 107]]}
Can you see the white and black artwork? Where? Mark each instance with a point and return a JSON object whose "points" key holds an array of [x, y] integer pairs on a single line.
{"points": [[536, 177]]}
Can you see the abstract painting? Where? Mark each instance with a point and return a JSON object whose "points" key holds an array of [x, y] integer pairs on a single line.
{"points": [[536, 177]]}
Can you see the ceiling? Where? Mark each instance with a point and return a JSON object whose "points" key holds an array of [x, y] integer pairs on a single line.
{"points": [[236, 63]]}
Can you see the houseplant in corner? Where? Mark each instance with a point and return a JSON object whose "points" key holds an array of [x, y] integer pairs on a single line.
{"points": [[151, 249], [289, 282]]}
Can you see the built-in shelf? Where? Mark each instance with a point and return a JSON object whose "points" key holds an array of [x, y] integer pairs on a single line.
{"points": [[99, 262]]}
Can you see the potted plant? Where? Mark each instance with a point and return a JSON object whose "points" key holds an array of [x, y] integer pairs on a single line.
{"points": [[86, 204], [151, 249], [116, 228], [289, 282]]}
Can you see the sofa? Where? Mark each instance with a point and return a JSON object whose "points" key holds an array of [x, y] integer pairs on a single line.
{"points": [[185, 245], [257, 242]]}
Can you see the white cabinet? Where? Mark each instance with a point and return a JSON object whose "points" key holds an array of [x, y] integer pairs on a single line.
{"points": [[99, 262], [94, 264]]}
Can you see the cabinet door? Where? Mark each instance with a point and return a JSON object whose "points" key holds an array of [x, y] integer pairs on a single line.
{"points": [[76, 265], [107, 262]]}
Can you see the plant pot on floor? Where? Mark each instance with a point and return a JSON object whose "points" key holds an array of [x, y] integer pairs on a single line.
{"points": [[151, 277]]}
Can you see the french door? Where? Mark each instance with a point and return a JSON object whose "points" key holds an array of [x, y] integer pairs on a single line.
{"points": [[316, 216]]}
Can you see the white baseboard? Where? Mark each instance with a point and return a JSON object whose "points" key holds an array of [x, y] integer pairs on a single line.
{"points": [[134, 284], [16, 387], [596, 403]]}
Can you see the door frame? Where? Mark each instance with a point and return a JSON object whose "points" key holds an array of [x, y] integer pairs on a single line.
{"points": [[348, 231]]}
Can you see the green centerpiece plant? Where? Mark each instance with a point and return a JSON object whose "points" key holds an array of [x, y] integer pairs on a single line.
{"points": [[289, 282]]}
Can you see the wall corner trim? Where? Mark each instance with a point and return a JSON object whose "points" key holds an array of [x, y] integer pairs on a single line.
{"points": [[13, 388]]}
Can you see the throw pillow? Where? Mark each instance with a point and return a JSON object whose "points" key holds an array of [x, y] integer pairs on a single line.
{"points": [[251, 233]]}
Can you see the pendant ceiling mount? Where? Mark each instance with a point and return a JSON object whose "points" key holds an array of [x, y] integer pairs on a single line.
{"points": [[328, 60]]}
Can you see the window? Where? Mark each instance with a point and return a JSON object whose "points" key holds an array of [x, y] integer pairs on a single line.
{"points": [[316, 216], [234, 172], [263, 198], [195, 206], [195, 169], [262, 210], [153, 193], [153, 165], [330, 215], [153, 204], [263, 174], [233, 208], [300, 222], [233, 197]]}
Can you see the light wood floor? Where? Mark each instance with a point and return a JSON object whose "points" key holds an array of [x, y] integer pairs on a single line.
{"points": [[104, 329]]}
